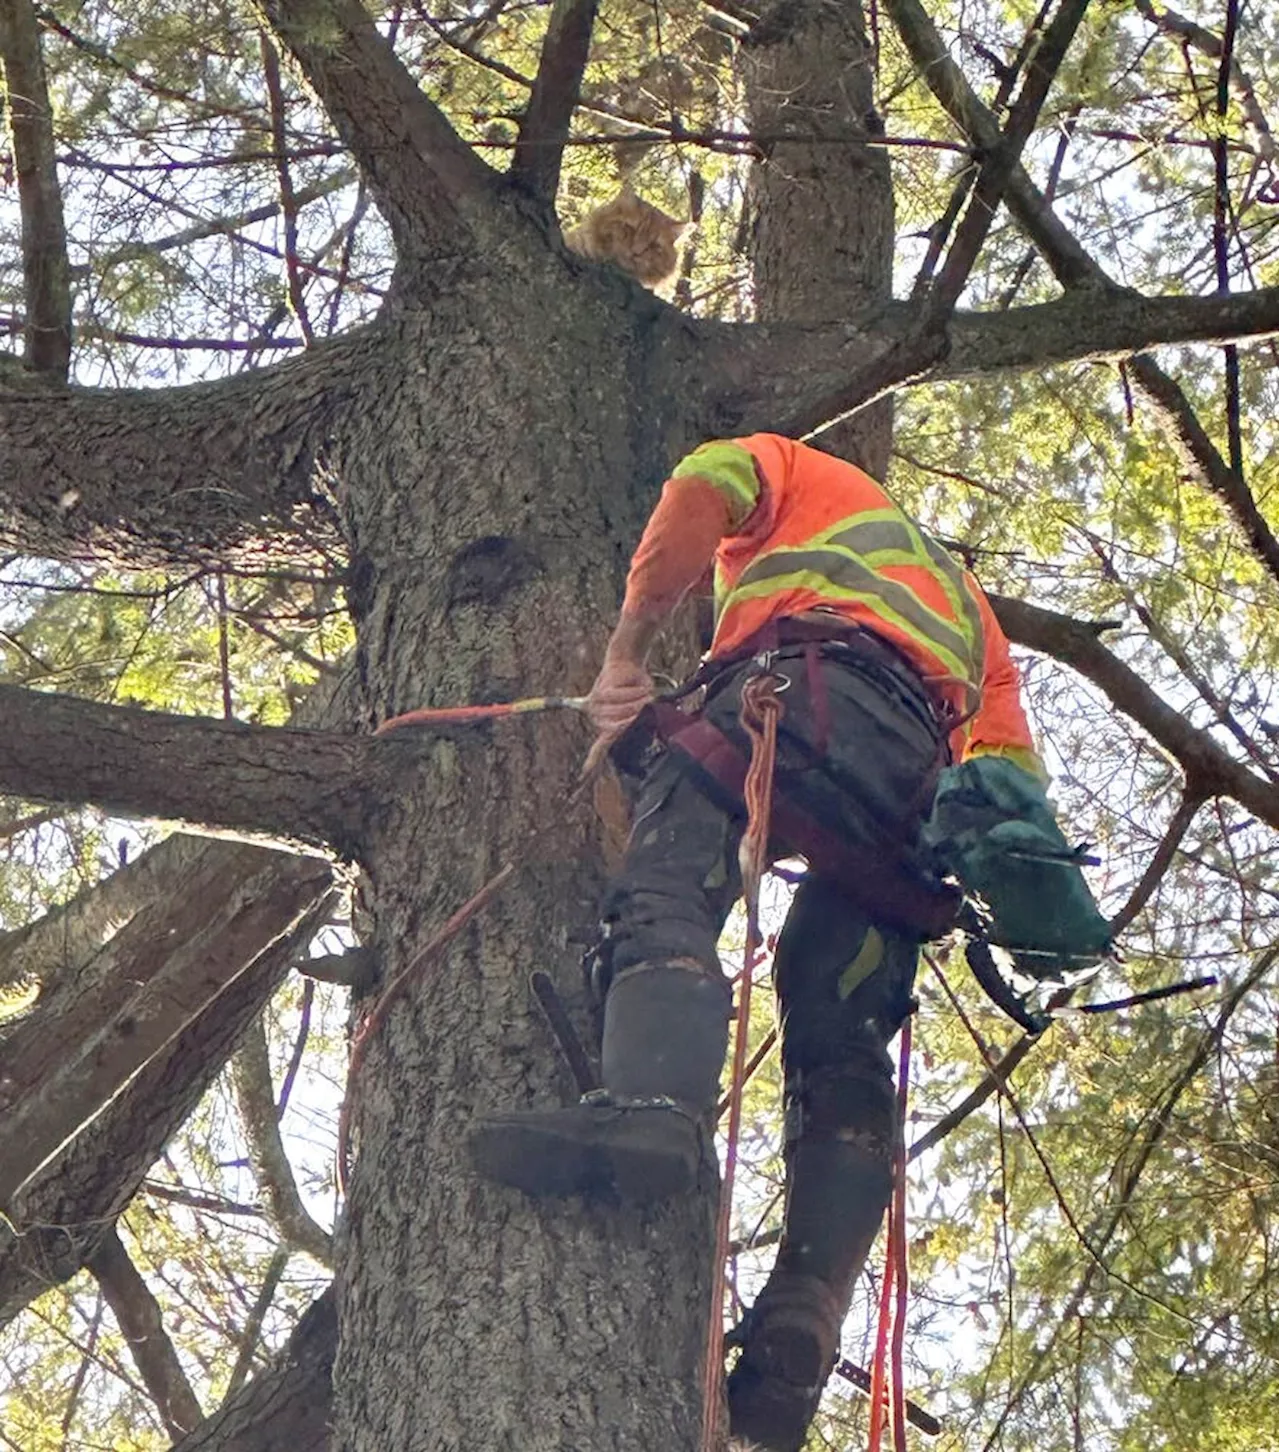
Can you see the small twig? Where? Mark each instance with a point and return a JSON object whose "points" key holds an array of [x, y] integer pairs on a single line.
{"points": [[288, 199], [253, 1326]]}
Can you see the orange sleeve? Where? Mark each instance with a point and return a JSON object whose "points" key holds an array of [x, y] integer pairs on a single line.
{"points": [[999, 726], [677, 547]]}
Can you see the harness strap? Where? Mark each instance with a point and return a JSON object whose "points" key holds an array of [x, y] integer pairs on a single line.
{"points": [[886, 889]]}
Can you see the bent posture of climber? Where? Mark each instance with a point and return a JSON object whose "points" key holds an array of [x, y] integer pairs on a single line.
{"points": [[893, 666]]}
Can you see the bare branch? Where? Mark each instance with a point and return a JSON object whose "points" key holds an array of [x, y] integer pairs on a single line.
{"points": [[1074, 268], [257, 1314], [1076, 643], [998, 164], [251, 1074], [60, 1217], [1169, 22], [141, 1323], [44, 237], [1135, 1163], [428, 183], [545, 127], [1166, 850], [165, 970], [1200, 458], [288, 198], [301, 787]]}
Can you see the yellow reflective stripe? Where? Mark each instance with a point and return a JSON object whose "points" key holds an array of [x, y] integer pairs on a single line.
{"points": [[892, 602], [888, 537], [730, 468], [961, 596]]}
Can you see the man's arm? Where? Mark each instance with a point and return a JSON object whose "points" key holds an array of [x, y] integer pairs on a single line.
{"points": [[711, 493], [674, 553]]}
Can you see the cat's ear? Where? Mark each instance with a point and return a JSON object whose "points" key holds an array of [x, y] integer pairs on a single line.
{"points": [[685, 230]]}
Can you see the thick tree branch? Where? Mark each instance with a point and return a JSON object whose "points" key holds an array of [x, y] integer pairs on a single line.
{"points": [[302, 787], [1208, 769], [251, 1074], [793, 378], [60, 1217], [287, 1405], [44, 236], [138, 1315], [1073, 266], [545, 127], [210, 473], [427, 182], [1046, 51]]}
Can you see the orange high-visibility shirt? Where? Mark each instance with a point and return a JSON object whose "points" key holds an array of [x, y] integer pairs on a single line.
{"points": [[798, 531]]}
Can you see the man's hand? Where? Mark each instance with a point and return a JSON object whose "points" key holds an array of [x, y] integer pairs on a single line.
{"points": [[621, 691]]}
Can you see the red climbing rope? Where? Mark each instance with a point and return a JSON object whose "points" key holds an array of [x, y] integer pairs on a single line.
{"points": [[761, 709], [894, 1310], [898, 1245]]}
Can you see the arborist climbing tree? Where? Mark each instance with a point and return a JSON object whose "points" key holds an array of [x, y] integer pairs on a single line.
{"points": [[901, 708]]}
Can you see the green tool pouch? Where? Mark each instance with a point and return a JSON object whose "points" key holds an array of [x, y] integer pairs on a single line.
{"points": [[993, 828]]}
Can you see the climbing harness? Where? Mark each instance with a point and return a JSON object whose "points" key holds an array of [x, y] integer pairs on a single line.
{"points": [[761, 710]]}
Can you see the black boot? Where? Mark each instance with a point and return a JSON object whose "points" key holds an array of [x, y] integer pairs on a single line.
{"points": [[839, 1180], [640, 1138]]}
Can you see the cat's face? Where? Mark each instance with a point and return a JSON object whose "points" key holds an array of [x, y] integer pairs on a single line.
{"points": [[640, 238]]}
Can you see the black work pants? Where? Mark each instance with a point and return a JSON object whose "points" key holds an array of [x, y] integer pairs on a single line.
{"points": [[843, 980]]}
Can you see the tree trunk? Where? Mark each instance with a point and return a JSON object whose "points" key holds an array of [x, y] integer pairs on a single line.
{"points": [[489, 534], [822, 241]]}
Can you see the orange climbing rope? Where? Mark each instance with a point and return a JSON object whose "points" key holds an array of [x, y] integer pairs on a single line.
{"points": [[761, 708], [468, 715], [377, 1015], [895, 1279]]}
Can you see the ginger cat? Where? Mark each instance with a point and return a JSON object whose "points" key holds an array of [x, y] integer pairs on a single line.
{"points": [[635, 236]]}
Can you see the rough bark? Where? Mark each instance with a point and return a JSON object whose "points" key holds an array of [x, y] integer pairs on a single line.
{"points": [[822, 214], [287, 1406], [231, 471], [47, 329], [543, 1326], [59, 1217], [297, 786], [141, 1324], [794, 378]]}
